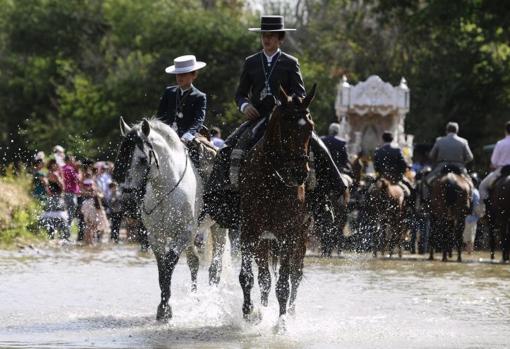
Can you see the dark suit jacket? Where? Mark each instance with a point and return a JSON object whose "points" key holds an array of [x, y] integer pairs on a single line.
{"points": [[286, 73], [389, 162], [193, 109], [338, 152]]}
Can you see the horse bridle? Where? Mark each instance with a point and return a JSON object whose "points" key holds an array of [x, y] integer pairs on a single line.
{"points": [[278, 156], [152, 157]]}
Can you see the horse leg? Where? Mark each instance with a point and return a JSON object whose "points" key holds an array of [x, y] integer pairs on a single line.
{"points": [[296, 275], [459, 238], [193, 264], [492, 238], [166, 264], [246, 278], [282, 286], [261, 258], [219, 236], [446, 246]]}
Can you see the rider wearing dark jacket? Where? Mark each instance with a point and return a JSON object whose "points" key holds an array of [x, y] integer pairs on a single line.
{"points": [[337, 148], [389, 161]]}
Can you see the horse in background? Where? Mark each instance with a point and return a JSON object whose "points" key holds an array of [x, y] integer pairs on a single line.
{"points": [[387, 206], [450, 201], [498, 212], [153, 163], [272, 198]]}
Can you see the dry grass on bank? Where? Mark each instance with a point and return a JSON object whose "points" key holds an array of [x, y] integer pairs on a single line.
{"points": [[18, 210]]}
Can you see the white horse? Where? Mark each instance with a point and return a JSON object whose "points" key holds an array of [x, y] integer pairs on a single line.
{"points": [[153, 162]]}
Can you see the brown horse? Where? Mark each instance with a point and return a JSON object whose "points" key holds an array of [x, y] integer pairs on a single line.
{"points": [[450, 203], [499, 215], [272, 190], [387, 200]]}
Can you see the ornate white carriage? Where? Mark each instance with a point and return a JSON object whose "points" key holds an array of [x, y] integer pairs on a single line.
{"points": [[369, 108]]}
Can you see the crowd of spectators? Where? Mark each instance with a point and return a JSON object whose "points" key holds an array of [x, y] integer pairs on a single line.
{"points": [[76, 192]]}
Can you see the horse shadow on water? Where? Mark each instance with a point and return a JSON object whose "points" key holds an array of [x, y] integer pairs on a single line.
{"points": [[153, 165]]}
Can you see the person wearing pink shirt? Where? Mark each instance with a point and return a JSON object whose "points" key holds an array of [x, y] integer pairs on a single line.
{"points": [[499, 159], [71, 186]]}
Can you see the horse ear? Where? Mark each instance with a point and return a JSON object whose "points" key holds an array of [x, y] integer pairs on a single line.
{"points": [[146, 127], [124, 128], [309, 97], [284, 98]]}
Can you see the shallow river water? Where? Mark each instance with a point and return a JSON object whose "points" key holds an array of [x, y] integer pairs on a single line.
{"points": [[107, 297]]}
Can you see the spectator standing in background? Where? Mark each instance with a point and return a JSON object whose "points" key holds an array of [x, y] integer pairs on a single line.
{"points": [[94, 215], [71, 186], [39, 181], [115, 211], [59, 154], [54, 217]]}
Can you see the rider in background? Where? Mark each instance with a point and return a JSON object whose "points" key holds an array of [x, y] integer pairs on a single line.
{"points": [[389, 163], [336, 146], [450, 150], [500, 158], [183, 106]]}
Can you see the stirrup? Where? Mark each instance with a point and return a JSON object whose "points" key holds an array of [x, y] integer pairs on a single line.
{"points": [[235, 164]]}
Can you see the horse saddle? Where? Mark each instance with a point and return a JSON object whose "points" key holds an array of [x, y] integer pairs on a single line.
{"points": [[202, 152], [451, 168], [505, 171]]}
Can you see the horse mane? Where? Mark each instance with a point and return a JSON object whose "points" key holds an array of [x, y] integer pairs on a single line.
{"points": [[164, 130]]}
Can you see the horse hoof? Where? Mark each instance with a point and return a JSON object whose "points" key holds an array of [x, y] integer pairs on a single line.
{"points": [[164, 313], [194, 287], [281, 326], [263, 300], [292, 310], [253, 317]]}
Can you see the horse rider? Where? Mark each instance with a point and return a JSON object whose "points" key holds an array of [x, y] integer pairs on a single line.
{"points": [[262, 76], [500, 158], [337, 148], [449, 151], [389, 163], [183, 106]]}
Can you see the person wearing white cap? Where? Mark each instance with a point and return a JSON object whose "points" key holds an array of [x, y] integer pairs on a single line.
{"points": [[59, 154], [183, 106]]}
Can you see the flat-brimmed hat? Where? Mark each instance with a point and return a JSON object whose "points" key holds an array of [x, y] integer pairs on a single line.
{"points": [[271, 24], [184, 64]]}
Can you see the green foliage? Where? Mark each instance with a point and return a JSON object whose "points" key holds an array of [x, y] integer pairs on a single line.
{"points": [[69, 69]]}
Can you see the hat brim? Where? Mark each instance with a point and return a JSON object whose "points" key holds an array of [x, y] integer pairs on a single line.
{"points": [[172, 70], [259, 30]]}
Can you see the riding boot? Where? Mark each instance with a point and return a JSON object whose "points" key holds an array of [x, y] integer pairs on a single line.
{"points": [[326, 170], [245, 142]]}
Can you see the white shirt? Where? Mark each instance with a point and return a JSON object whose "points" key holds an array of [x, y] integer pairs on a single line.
{"points": [[501, 153], [270, 58], [182, 91]]}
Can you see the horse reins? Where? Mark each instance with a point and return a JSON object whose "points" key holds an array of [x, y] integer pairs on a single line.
{"points": [[288, 159], [149, 212]]}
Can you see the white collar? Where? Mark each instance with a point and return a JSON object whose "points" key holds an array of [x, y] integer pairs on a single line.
{"points": [[270, 58], [182, 91]]}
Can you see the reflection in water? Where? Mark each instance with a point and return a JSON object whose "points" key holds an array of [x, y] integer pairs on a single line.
{"points": [[107, 297]]}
